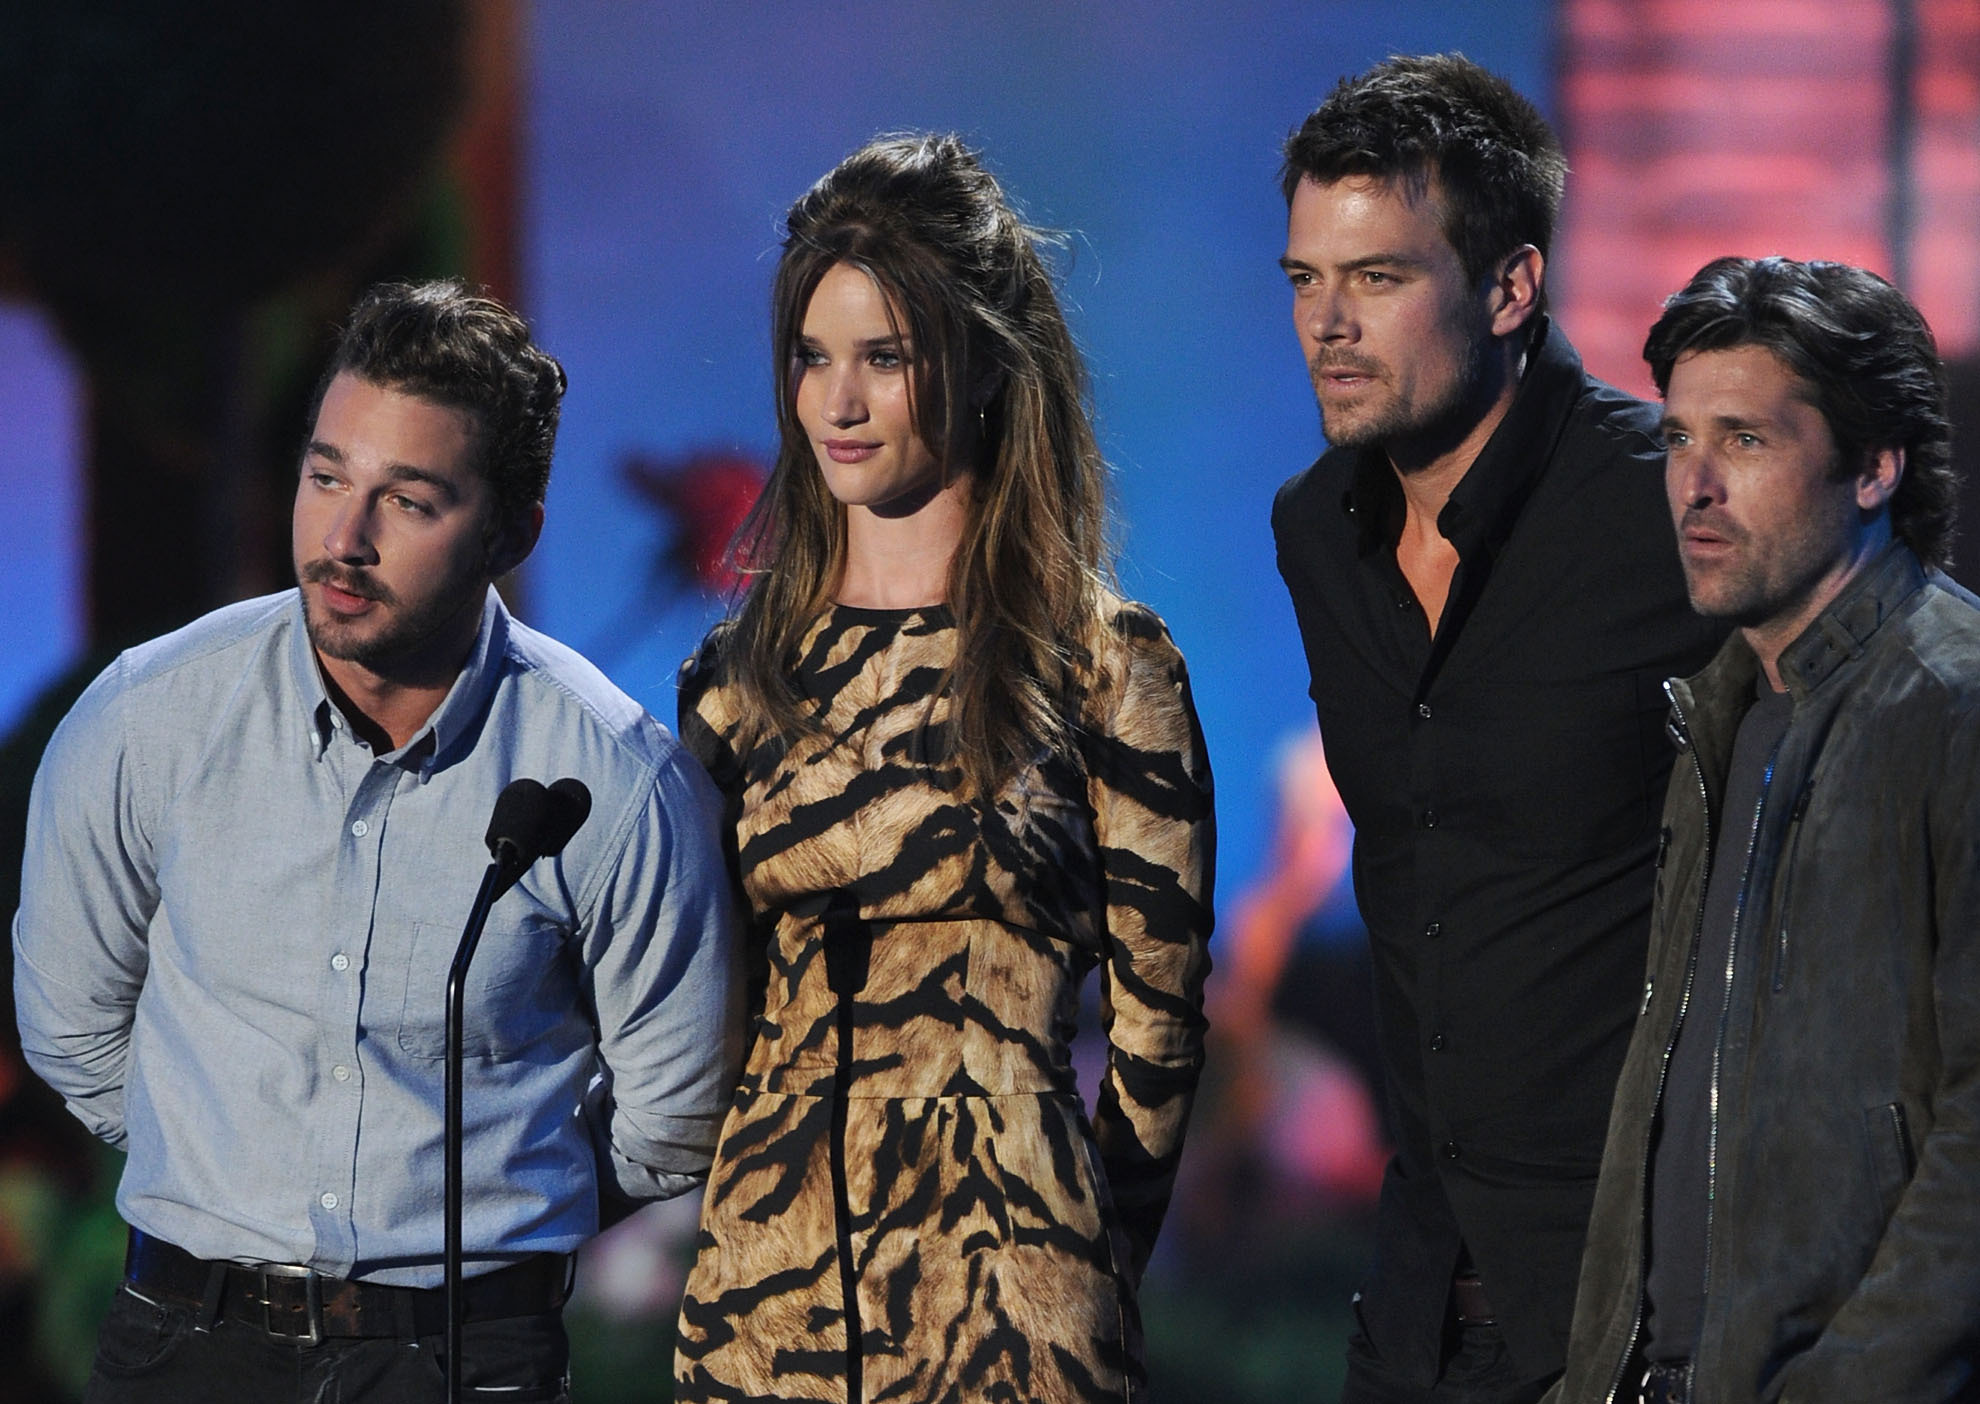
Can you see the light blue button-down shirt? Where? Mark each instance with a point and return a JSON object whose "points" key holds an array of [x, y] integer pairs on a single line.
{"points": [[236, 926]]}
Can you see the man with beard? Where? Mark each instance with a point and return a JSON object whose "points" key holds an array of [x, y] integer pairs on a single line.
{"points": [[1485, 584], [251, 849], [1788, 1206]]}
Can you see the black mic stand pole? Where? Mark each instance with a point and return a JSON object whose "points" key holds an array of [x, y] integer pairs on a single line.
{"points": [[531, 821], [494, 882]]}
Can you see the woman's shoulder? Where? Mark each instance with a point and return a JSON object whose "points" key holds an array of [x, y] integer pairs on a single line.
{"points": [[1133, 651], [1131, 633], [709, 670]]}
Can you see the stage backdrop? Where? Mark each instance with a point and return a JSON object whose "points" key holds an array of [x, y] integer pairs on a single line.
{"points": [[666, 141]]}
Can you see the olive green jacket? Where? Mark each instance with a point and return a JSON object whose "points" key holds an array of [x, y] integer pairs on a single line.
{"points": [[1843, 1248]]}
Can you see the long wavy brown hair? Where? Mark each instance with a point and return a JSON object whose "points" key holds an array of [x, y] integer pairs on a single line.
{"points": [[998, 390]]}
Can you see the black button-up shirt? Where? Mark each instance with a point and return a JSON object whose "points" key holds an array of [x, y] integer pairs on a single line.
{"points": [[1504, 780]]}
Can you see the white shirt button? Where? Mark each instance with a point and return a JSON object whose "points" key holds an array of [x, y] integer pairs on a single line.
{"points": [[329, 1201], [360, 828], [340, 961], [341, 1073]]}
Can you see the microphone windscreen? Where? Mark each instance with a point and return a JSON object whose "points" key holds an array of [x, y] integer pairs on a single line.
{"points": [[521, 813], [569, 806]]}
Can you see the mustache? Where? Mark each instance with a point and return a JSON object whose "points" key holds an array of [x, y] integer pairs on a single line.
{"points": [[350, 580], [1328, 362], [1705, 519]]}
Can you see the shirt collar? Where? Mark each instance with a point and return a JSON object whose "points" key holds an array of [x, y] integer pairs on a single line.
{"points": [[1486, 501], [458, 711]]}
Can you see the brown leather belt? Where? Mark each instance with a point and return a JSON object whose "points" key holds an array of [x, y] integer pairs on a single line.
{"points": [[1469, 1301], [297, 1304]]}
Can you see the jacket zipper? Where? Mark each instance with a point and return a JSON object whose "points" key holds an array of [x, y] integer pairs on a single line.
{"points": [[1725, 1019], [1680, 731]]}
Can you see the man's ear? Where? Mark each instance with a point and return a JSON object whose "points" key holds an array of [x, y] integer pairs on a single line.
{"points": [[1514, 295], [514, 540], [1877, 481]]}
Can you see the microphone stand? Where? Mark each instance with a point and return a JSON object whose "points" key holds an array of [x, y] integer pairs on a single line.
{"points": [[502, 872], [531, 821]]}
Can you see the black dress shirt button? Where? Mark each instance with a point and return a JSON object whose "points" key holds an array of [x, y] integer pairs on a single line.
{"points": [[1434, 929], [1450, 1150], [1428, 819], [1404, 602], [1436, 1043], [1423, 710]]}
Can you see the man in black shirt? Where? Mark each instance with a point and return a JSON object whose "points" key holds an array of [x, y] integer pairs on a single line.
{"points": [[1486, 585]]}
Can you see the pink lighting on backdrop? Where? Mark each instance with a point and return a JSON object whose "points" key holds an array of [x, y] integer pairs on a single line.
{"points": [[1844, 129]]}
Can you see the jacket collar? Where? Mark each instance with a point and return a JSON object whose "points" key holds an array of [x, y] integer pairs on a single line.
{"points": [[1710, 703], [1486, 502], [1842, 630]]}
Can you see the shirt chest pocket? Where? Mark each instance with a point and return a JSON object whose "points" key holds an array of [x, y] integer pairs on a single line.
{"points": [[521, 989]]}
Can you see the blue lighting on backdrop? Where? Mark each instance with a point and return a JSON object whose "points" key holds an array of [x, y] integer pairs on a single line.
{"points": [[664, 142], [667, 141]]}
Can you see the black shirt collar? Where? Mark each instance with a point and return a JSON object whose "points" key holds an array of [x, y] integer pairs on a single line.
{"points": [[1486, 502]]}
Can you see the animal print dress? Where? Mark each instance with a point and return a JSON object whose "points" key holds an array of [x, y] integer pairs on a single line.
{"points": [[908, 1203]]}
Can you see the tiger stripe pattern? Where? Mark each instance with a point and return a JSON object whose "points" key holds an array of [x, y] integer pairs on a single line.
{"points": [[909, 1202]]}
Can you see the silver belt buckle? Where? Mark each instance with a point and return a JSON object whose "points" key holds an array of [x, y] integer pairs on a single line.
{"points": [[312, 1302]]}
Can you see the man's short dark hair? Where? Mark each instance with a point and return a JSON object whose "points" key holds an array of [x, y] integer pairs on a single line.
{"points": [[1864, 354], [1440, 119], [456, 346]]}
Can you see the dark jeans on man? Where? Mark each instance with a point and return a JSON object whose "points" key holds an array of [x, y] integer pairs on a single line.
{"points": [[152, 1353], [1476, 1370]]}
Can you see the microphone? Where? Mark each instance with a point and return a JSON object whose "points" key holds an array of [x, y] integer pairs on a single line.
{"points": [[532, 821], [570, 806]]}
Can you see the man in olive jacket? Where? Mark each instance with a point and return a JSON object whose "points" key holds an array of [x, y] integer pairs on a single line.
{"points": [[1789, 1204]]}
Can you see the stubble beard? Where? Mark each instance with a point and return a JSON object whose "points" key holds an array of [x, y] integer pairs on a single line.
{"points": [[1769, 579], [1450, 415], [1761, 583], [376, 646]]}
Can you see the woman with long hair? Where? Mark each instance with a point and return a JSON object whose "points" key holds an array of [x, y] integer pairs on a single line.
{"points": [[961, 773]]}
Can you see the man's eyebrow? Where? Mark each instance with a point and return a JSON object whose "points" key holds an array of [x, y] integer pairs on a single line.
{"points": [[397, 472], [413, 473], [1386, 260], [1721, 421], [1374, 260]]}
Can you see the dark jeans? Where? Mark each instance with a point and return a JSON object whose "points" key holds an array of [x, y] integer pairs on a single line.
{"points": [[1476, 1370], [153, 1354]]}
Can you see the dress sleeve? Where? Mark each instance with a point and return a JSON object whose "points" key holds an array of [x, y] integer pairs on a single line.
{"points": [[1149, 786], [89, 887], [709, 729], [702, 724]]}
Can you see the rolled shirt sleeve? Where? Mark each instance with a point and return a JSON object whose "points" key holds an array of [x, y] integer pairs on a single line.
{"points": [[664, 957]]}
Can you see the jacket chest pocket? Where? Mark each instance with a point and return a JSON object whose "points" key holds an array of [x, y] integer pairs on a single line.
{"points": [[1779, 910], [520, 986], [1892, 1159]]}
